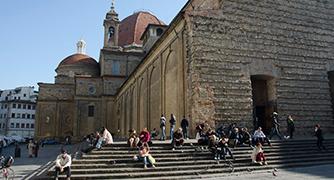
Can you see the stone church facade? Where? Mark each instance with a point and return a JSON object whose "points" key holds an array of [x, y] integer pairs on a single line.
{"points": [[221, 61]]}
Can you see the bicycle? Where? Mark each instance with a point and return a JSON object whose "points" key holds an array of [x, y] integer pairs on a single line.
{"points": [[7, 172]]}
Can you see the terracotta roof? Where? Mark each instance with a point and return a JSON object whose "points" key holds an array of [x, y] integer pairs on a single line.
{"points": [[132, 27], [78, 59]]}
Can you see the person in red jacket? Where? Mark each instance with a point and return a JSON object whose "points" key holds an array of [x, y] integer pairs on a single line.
{"points": [[144, 137]]}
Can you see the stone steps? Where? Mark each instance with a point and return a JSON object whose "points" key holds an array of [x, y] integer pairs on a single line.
{"points": [[116, 161], [172, 155]]}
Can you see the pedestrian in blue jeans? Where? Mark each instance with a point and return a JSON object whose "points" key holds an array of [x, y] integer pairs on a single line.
{"points": [[163, 127], [172, 122]]}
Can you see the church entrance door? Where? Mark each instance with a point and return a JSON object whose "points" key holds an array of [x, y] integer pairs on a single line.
{"points": [[264, 101]]}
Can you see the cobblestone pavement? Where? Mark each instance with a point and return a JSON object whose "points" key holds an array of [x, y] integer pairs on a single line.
{"points": [[25, 165], [324, 172]]}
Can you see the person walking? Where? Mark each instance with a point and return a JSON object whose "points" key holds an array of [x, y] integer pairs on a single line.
{"points": [[275, 129], [172, 122], [36, 148], [163, 127], [185, 126], [30, 148], [320, 137], [17, 150], [63, 164], [291, 126]]}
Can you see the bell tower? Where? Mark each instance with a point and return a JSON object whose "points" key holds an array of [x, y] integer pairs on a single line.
{"points": [[111, 28]]}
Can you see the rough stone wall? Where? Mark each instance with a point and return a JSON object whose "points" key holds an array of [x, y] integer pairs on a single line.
{"points": [[54, 112], [231, 40], [88, 87]]}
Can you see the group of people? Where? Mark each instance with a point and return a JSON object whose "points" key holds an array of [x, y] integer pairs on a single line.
{"points": [[219, 141], [33, 148], [172, 121], [142, 141], [97, 139]]}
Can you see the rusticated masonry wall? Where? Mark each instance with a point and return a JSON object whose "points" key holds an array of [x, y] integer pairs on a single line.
{"points": [[291, 41]]}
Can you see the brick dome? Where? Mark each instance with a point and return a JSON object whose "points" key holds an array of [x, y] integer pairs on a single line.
{"points": [[78, 59], [132, 27], [78, 64]]}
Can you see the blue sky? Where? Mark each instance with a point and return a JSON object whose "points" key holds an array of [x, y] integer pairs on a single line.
{"points": [[35, 35]]}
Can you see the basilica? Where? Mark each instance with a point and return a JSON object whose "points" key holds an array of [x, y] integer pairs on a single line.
{"points": [[220, 61]]}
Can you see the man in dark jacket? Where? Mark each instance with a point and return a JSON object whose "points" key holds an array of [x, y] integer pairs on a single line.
{"points": [[275, 129], [184, 126], [291, 126], [320, 137]]}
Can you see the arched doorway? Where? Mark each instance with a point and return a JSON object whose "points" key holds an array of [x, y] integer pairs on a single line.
{"points": [[264, 100]]}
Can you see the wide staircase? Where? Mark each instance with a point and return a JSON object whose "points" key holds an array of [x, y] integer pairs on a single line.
{"points": [[190, 162]]}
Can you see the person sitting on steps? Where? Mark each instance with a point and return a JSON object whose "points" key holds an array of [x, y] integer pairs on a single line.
{"points": [[223, 149], [258, 155], [144, 137], [177, 138], [145, 156], [63, 164], [133, 138], [259, 136]]}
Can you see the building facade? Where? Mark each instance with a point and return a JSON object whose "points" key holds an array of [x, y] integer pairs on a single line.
{"points": [[17, 111], [220, 61]]}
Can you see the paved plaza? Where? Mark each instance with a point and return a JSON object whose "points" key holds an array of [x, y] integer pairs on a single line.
{"points": [[24, 165]]}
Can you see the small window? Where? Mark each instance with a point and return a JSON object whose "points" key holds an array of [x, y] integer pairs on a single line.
{"points": [[24, 95], [115, 68], [19, 98], [14, 98], [0, 116], [5, 115], [33, 116], [1, 106], [32, 126], [6, 98], [23, 116], [11, 125], [17, 125], [28, 116], [5, 106], [29, 106], [14, 105], [33, 107], [27, 125], [19, 106], [159, 32], [4, 125], [91, 111], [18, 115], [22, 125], [24, 106], [13, 115]]}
